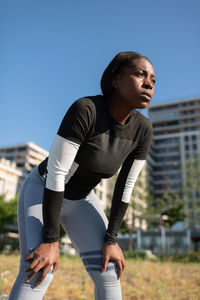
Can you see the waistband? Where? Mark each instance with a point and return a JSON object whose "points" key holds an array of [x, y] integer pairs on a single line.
{"points": [[42, 167]]}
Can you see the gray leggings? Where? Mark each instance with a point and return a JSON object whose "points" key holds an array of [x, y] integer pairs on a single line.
{"points": [[85, 223]]}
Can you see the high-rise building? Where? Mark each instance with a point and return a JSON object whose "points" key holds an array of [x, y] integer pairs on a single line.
{"points": [[176, 138]]}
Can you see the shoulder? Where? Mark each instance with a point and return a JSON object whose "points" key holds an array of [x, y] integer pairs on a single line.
{"points": [[87, 104]]}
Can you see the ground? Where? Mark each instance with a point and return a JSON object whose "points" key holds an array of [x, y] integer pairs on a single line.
{"points": [[141, 280]]}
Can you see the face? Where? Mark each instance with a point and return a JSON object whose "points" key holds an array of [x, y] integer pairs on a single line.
{"points": [[135, 85]]}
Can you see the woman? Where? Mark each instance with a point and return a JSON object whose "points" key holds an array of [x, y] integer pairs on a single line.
{"points": [[97, 136]]}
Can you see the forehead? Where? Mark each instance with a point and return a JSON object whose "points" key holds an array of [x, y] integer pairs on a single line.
{"points": [[144, 64]]}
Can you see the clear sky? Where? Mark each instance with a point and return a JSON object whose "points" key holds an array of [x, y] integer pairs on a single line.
{"points": [[54, 51]]}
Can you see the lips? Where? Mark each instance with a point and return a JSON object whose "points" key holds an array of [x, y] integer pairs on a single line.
{"points": [[146, 95]]}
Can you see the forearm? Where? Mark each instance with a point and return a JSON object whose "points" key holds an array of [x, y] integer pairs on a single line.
{"points": [[60, 160], [52, 202], [121, 197], [116, 217]]}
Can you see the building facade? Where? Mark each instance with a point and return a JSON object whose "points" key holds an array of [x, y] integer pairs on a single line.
{"points": [[10, 179], [176, 139], [16, 162], [26, 156]]}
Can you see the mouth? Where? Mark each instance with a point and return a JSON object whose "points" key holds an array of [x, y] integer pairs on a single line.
{"points": [[146, 96]]}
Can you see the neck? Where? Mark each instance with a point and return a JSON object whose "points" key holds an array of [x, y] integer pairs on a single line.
{"points": [[118, 110]]}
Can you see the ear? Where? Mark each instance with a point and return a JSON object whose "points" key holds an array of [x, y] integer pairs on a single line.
{"points": [[115, 81]]}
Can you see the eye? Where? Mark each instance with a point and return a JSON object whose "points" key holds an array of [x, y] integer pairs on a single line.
{"points": [[139, 73], [153, 80]]}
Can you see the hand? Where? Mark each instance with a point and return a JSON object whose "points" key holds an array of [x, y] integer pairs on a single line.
{"points": [[113, 252], [43, 257]]}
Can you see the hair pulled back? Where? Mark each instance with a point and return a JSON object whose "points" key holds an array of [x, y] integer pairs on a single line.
{"points": [[118, 63]]}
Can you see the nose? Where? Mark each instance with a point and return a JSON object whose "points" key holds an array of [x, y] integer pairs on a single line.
{"points": [[148, 84]]}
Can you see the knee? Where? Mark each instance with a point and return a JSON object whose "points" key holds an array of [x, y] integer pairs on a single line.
{"points": [[107, 278], [32, 282], [44, 284]]}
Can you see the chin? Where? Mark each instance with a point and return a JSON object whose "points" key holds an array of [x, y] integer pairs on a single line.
{"points": [[143, 105]]}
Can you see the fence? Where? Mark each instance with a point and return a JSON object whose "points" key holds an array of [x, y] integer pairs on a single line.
{"points": [[163, 242]]}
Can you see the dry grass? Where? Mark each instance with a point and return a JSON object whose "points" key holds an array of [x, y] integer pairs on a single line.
{"points": [[142, 280]]}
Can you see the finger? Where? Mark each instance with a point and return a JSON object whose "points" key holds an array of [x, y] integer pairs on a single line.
{"points": [[123, 263], [32, 265], [44, 273], [30, 256], [123, 266], [55, 266], [105, 263], [34, 270], [30, 275], [119, 265]]}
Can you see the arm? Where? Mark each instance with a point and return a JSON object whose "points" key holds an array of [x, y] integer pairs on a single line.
{"points": [[125, 183], [73, 130], [122, 195], [121, 198]]}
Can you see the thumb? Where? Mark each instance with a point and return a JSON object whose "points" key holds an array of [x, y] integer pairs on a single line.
{"points": [[105, 263]]}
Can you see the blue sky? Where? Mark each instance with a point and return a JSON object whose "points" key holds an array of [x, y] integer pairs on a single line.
{"points": [[53, 52]]}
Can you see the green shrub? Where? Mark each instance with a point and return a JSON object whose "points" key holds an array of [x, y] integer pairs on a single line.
{"points": [[137, 254]]}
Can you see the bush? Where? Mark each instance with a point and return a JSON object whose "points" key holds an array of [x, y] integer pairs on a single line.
{"points": [[188, 258], [137, 254]]}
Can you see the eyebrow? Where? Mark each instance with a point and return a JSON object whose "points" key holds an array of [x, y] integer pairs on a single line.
{"points": [[142, 69], [152, 74]]}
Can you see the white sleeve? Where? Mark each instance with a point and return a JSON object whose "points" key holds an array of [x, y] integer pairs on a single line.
{"points": [[61, 158], [131, 179]]}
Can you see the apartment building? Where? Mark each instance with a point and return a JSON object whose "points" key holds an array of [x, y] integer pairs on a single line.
{"points": [[133, 217], [10, 179], [176, 137], [26, 156], [23, 158]]}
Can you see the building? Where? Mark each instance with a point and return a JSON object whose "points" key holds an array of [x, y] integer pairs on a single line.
{"points": [[26, 156], [136, 209], [10, 179], [176, 138], [133, 217], [16, 162], [104, 191]]}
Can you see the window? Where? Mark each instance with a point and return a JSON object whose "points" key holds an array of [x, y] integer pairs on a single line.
{"points": [[166, 167], [21, 149], [166, 150], [194, 137], [167, 141], [194, 146], [167, 158], [187, 147]]}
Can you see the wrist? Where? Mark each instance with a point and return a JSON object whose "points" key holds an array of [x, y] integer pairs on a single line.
{"points": [[52, 244]]}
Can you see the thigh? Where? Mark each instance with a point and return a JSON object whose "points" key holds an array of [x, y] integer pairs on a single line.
{"points": [[86, 223], [30, 223], [30, 219]]}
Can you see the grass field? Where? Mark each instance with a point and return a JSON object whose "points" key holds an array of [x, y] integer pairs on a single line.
{"points": [[141, 280]]}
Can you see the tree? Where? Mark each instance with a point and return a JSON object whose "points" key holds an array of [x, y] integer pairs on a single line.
{"points": [[8, 213], [191, 190]]}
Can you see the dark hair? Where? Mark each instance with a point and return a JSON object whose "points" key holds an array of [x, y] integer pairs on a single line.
{"points": [[118, 63]]}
